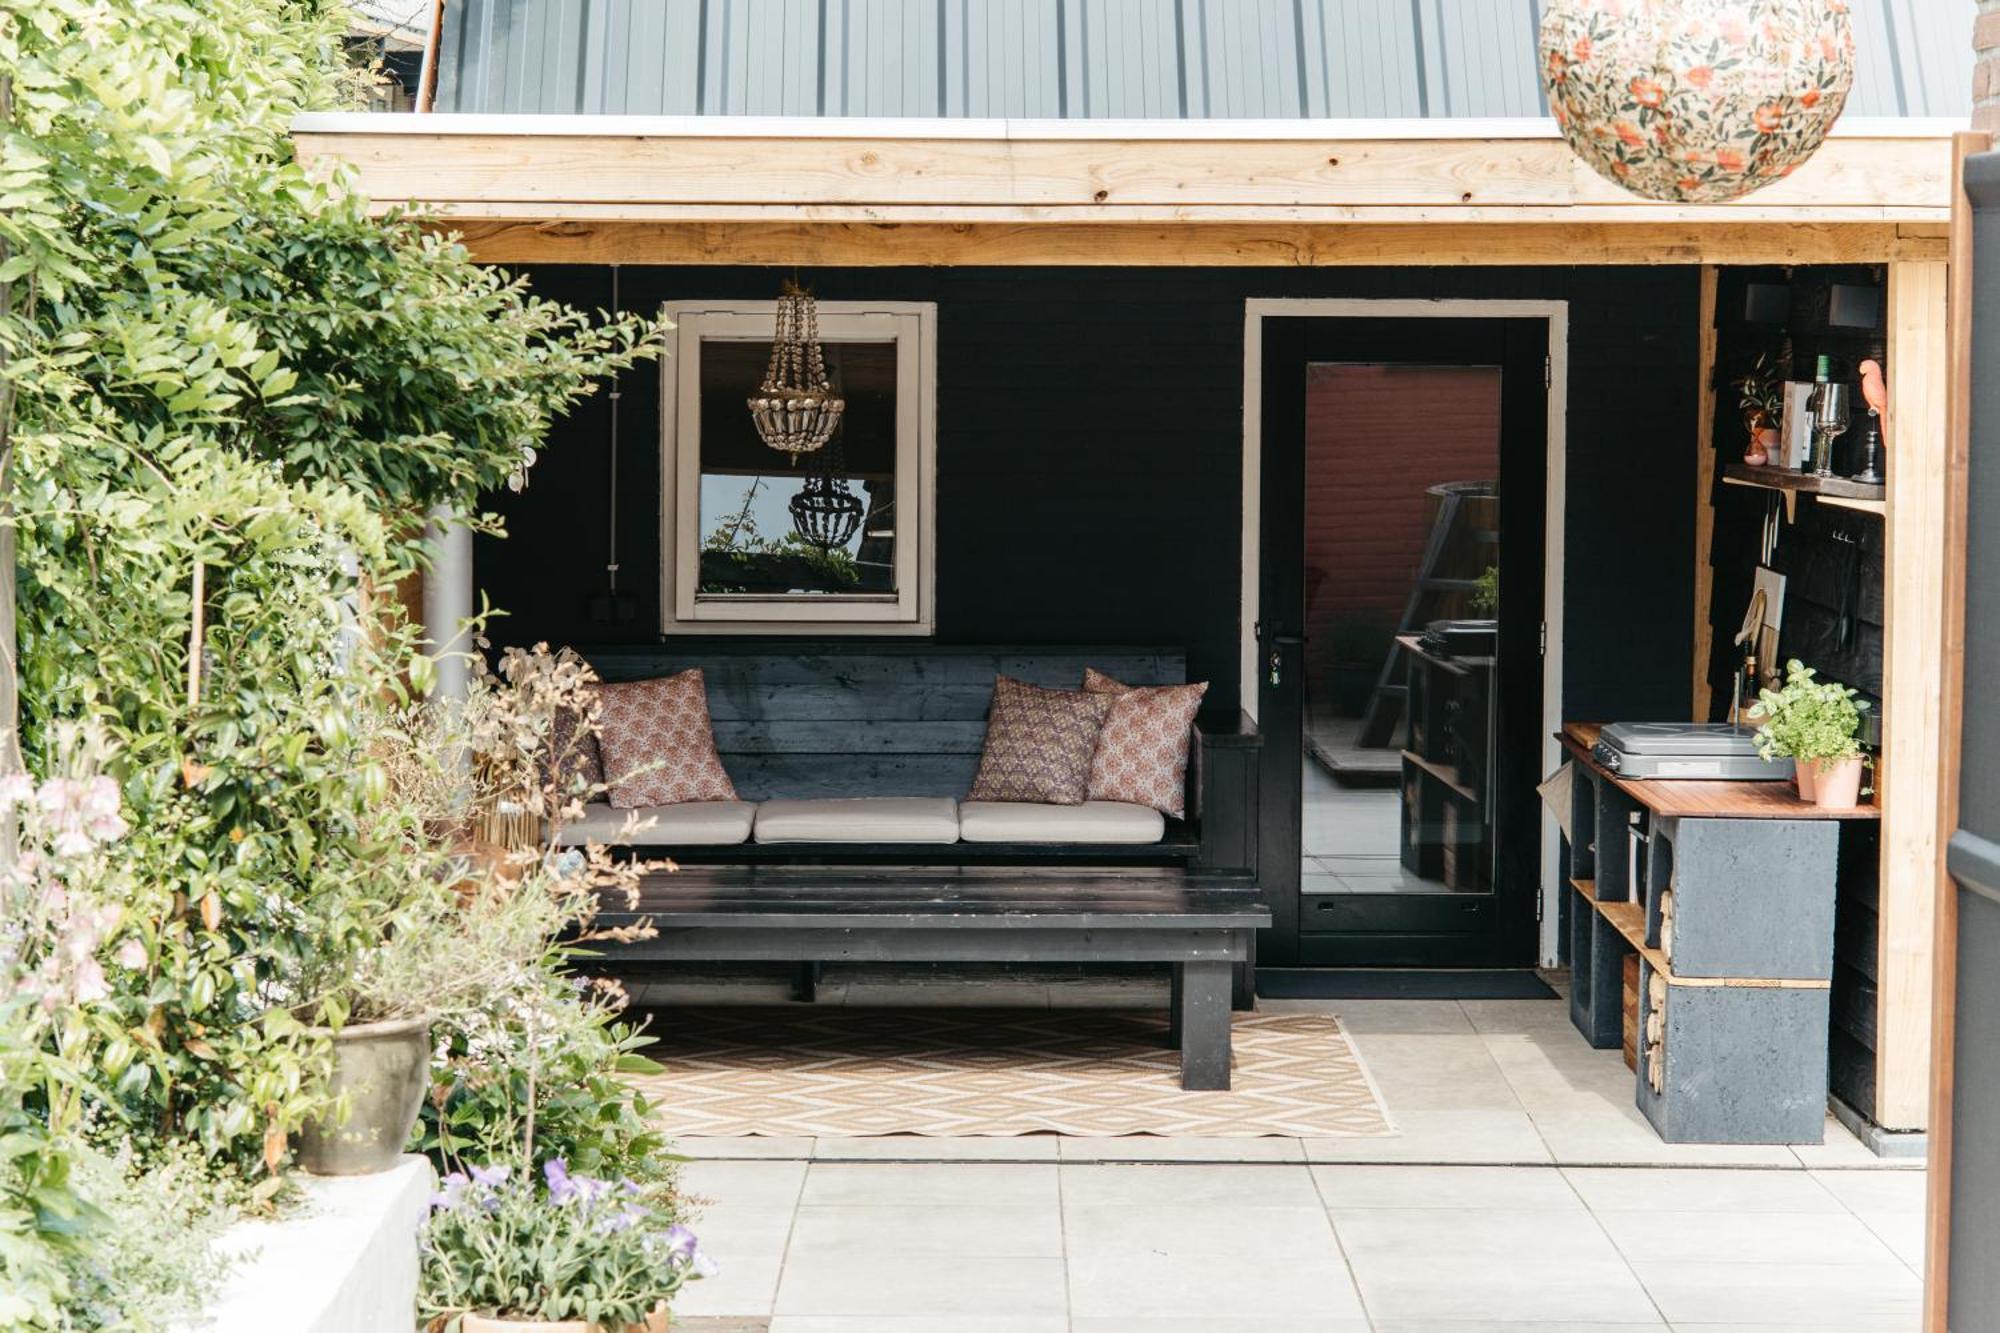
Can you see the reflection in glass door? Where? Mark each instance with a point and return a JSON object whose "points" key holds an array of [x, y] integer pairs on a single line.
{"points": [[1402, 567]]}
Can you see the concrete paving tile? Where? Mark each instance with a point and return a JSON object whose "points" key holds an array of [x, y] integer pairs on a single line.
{"points": [[1002, 1231], [1498, 1137], [1710, 1236], [1801, 1295], [1139, 1285], [1840, 1149], [1520, 1017], [1200, 1235], [1249, 1185], [1156, 1148], [1617, 1189], [1906, 1235], [1395, 1017], [1597, 1137], [1533, 1187], [1224, 1324], [941, 1184], [1436, 1072], [742, 1287], [738, 1184], [927, 1148], [940, 1285], [1876, 1191], [1877, 1326], [1495, 1264], [919, 1323], [729, 1231], [732, 1149], [1509, 1326]]}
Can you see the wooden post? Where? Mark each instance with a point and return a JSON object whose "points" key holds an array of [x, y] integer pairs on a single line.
{"points": [[1912, 688], [1937, 1239], [1704, 501]]}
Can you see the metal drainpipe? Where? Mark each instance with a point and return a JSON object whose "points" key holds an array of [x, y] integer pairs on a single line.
{"points": [[427, 72]]}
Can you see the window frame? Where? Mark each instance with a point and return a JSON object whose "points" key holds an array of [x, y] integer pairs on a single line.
{"points": [[912, 326]]}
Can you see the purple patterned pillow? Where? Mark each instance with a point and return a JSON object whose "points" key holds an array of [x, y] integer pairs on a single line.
{"points": [[574, 751], [1039, 743]]}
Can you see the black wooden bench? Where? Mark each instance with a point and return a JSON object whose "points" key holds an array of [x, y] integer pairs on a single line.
{"points": [[909, 720]]}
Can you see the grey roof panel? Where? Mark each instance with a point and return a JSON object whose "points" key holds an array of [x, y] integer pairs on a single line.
{"points": [[1126, 59]]}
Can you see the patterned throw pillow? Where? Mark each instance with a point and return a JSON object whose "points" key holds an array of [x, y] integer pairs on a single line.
{"points": [[1038, 744], [576, 751], [1142, 753], [658, 746]]}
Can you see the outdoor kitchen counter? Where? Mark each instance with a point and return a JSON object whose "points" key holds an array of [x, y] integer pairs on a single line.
{"points": [[1697, 799]]}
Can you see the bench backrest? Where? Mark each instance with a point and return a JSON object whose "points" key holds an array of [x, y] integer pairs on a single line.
{"points": [[868, 720]]}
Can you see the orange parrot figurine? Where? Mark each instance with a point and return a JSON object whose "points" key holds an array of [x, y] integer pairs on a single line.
{"points": [[1875, 388]]}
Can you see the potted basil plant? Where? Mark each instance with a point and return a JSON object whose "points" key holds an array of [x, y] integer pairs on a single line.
{"points": [[1818, 725], [503, 1253]]}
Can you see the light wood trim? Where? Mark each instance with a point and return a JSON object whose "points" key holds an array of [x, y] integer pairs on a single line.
{"points": [[1148, 179], [1704, 498], [1912, 688], [1282, 245], [1951, 717], [1629, 920]]}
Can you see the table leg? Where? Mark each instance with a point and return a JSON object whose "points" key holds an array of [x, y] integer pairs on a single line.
{"points": [[1203, 1011]]}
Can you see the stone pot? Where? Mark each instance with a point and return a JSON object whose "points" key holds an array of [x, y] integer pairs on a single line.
{"points": [[385, 1069], [656, 1322], [1837, 783]]}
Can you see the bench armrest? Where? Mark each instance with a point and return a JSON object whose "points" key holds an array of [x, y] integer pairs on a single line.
{"points": [[1227, 754]]}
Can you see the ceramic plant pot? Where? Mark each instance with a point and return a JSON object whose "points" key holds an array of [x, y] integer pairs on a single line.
{"points": [[656, 1322], [1804, 777], [384, 1069], [1837, 783]]}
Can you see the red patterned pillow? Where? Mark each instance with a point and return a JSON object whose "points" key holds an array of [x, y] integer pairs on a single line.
{"points": [[658, 746], [1142, 753], [1038, 744]]}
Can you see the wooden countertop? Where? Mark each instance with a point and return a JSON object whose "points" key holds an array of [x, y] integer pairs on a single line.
{"points": [[1674, 797]]}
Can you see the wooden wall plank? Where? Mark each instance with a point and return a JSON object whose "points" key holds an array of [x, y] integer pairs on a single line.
{"points": [[1958, 435], [1913, 673], [1704, 499], [1282, 245]]}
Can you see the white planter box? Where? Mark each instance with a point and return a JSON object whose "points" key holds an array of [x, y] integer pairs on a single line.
{"points": [[343, 1261]]}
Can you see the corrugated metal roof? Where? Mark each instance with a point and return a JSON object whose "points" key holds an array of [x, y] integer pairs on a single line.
{"points": [[1124, 59]]}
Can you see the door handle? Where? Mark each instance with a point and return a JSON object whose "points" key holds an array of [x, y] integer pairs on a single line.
{"points": [[1276, 642]]}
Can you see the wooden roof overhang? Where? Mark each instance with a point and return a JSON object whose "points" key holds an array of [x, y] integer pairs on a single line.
{"points": [[740, 190]]}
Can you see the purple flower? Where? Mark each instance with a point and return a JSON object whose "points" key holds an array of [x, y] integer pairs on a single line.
{"points": [[452, 1194], [562, 1188], [489, 1177], [682, 1242]]}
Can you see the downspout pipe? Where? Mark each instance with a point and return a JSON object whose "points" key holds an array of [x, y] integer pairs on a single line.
{"points": [[427, 73]]}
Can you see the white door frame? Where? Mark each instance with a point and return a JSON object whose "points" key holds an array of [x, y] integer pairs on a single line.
{"points": [[1255, 311]]}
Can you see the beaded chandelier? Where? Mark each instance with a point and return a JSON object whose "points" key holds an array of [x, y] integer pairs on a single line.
{"points": [[1696, 101], [795, 408]]}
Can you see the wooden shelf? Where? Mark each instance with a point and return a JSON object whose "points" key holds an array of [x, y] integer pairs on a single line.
{"points": [[1805, 483], [1629, 920], [1442, 773], [1700, 799]]}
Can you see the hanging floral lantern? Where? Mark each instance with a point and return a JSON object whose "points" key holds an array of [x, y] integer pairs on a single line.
{"points": [[1696, 101], [795, 408]]}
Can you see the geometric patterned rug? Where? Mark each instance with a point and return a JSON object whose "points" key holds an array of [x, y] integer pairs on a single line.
{"points": [[809, 1070]]}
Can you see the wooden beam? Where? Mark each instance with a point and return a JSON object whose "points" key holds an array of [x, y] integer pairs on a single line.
{"points": [[1912, 687], [1050, 175], [1704, 500], [1951, 718], [848, 244]]}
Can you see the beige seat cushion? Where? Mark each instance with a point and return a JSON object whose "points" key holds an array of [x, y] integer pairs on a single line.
{"points": [[866, 819], [1093, 821], [686, 824]]}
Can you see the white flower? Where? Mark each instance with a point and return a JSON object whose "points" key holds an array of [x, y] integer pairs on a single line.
{"points": [[90, 984], [16, 789], [132, 953]]}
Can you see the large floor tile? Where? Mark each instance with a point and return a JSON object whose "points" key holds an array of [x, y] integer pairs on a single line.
{"points": [[730, 1231], [1906, 1234], [1614, 1189], [1841, 1150], [940, 1184], [1876, 1191], [933, 1285], [1222, 1324], [1520, 1018], [1016, 1231], [1457, 1136], [1510, 1326], [1875, 1326], [1249, 1185], [1126, 1284], [1801, 1295], [1587, 1135], [1383, 1017], [1532, 1187], [760, 1146], [1157, 1148], [1435, 1072], [1495, 1264], [742, 1286], [928, 1148], [744, 1184], [919, 1324], [1201, 1235], [1745, 1237]]}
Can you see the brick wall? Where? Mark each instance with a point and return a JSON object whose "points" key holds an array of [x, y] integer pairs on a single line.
{"points": [[1986, 70]]}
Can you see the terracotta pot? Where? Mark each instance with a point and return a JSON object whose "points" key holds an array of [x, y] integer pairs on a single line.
{"points": [[1838, 783], [1804, 777], [385, 1069], [656, 1322]]}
